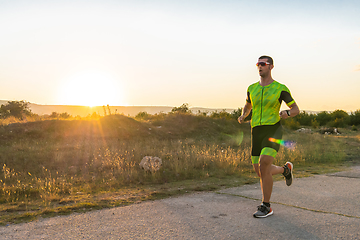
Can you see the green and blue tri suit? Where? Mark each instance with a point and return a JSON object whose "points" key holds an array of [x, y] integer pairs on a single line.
{"points": [[265, 122]]}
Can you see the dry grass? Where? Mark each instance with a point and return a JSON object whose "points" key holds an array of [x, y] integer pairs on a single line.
{"points": [[56, 167]]}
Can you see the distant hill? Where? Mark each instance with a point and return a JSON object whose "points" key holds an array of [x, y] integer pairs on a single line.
{"points": [[84, 111], [3, 102], [132, 111], [126, 110]]}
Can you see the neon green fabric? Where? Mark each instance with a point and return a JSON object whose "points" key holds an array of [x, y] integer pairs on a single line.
{"points": [[265, 151], [268, 151], [255, 159], [266, 102]]}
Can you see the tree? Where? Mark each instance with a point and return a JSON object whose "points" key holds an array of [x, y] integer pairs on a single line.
{"points": [[340, 114], [339, 118], [142, 115], [323, 118], [305, 119], [182, 109], [17, 109], [222, 114], [354, 118], [65, 115], [54, 115]]}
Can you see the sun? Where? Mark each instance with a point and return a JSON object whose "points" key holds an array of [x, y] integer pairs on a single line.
{"points": [[91, 88]]}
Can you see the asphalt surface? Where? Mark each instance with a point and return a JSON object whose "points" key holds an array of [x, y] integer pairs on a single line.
{"points": [[318, 207]]}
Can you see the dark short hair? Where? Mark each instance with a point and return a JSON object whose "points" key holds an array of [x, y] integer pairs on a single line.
{"points": [[270, 60]]}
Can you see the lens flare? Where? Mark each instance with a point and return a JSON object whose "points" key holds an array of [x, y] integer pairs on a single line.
{"points": [[237, 138], [287, 144]]}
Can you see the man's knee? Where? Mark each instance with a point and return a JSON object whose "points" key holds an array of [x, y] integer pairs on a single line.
{"points": [[266, 160], [265, 164]]}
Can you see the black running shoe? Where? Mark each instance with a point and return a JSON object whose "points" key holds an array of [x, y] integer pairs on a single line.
{"points": [[289, 175], [263, 211]]}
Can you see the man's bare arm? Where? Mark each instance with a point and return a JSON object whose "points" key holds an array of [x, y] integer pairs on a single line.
{"points": [[294, 110], [246, 112]]}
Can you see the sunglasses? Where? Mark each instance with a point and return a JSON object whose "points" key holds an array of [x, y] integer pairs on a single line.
{"points": [[262, 63]]}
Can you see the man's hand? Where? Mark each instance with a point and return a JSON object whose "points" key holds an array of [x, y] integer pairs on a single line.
{"points": [[246, 112], [283, 114], [241, 119], [292, 112]]}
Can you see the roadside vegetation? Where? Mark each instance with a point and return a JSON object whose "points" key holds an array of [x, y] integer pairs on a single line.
{"points": [[58, 164]]}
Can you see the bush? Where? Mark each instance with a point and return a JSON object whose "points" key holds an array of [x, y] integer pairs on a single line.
{"points": [[354, 118], [54, 115], [184, 108], [204, 114], [340, 114], [291, 123], [338, 122], [142, 116], [314, 123], [304, 118], [323, 118], [65, 115], [17, 109], [222, 114]]}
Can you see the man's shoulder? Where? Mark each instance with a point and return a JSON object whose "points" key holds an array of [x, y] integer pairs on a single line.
{"points": [[279, 85], [276, 83], [255, 84]]}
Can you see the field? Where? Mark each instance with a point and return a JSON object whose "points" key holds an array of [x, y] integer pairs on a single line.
{"points": [[56, 167]]}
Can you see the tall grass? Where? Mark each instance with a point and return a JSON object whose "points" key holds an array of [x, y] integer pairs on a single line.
{"points": [[48, 161], [111, 166], [312, 149]]}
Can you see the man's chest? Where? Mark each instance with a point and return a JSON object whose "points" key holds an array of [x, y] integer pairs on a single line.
{"points": [[265, 96]]}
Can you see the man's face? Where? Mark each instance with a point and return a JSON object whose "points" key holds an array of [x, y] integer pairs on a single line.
{"points": [[264, 67]]}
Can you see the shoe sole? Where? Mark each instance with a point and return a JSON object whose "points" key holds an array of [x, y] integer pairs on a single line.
{"points": [[269, 214], [289, 181]]}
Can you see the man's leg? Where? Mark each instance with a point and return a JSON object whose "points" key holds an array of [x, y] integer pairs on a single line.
{"points": [[274, 169], [266, 172]]}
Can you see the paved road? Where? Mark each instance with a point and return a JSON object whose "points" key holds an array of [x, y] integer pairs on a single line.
{"points": [[319, 207]]}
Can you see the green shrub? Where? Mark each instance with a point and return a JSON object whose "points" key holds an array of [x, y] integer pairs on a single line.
{"points": [[323, 118], [354, 118], [314, 123], [17, 109], [304, 118], [338, 122], [184, 108], [291, 123], [142, 116], [222, 114]]}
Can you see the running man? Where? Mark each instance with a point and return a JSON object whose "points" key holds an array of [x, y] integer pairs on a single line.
{"points": [[264, 98]]}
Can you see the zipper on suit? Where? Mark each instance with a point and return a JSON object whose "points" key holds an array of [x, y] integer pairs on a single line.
{"points": [[261, 102]]}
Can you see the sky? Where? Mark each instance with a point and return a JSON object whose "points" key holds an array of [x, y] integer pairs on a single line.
{"points": [[166, 53]]}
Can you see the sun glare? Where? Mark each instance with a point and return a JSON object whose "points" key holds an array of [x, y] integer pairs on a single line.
{"points": [[91, 88]]}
